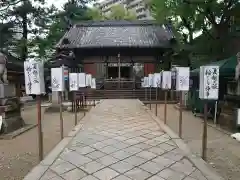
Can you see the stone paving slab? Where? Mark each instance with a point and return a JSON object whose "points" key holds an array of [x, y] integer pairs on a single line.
{"points": [[121, 140]]}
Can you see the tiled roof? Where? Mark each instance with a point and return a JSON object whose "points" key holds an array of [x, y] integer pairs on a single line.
{"points": [[116, 34]]}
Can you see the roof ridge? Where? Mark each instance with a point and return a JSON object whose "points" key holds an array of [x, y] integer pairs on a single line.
{"points": [[114, 23], [117, 34]]}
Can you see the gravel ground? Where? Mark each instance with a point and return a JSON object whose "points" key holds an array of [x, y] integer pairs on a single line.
{"points": [[18, 156], [223, 152]]}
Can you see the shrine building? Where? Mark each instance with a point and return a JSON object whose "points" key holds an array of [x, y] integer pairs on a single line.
{"points": [[117, 53]]}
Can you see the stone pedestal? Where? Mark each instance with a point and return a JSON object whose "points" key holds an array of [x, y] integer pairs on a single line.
{"points": [[7, 90], [55, 98], [10, 108]]}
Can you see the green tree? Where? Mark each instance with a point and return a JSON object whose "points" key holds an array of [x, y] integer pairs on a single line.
{"points": [[24, 15], [211, 17], [6, 35], [95, 14], [60, 22]]}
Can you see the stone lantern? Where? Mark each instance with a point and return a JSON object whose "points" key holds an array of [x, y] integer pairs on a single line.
{"points": [[10, 113]]}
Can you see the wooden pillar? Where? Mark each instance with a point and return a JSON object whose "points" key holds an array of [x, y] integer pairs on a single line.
{"points": [[106, 71]]}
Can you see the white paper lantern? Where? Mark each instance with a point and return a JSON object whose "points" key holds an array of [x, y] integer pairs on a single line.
{"points": [[157, 80], [57, 79], [238, 118], [88, 80], [146, 82], [166, 79], [182, 79], [93, 84], [34, 78], [209, 82], [82, 80], [73, 81], [201, 81], [150, 80]]}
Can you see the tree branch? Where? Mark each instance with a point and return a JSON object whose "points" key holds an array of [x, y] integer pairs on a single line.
{"points": [[210, 16], [208, 33], [8, 5], [188, 26], [226, 9]]}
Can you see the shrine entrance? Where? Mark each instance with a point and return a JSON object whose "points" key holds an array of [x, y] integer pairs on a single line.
{"points": [[112, 72], [125, 72], [116, 71]]}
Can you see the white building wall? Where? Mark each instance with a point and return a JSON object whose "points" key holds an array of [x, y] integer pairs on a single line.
{"points": [[137, 6]]}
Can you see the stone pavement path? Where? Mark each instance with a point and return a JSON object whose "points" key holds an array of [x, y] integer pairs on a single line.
{"points": [[223, 152], [119, 140]]}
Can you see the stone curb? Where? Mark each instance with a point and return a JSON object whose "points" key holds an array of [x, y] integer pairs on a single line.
{"points": [[208, 171], [38, 171]]}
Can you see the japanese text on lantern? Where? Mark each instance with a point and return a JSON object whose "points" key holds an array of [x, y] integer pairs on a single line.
{"points": [[34, 78], [209, 82]]}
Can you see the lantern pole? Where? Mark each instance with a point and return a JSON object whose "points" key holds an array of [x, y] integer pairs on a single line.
{"points": [[40, 133], [180, 115], [61, 115], [156, 110], [204, 136], [165, 107], [150, 98], [76, 107]]}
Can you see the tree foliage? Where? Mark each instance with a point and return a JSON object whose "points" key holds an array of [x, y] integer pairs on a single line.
{"points": [[95, 14], [73, 12], [210, 17], [25, 17], [31, 30], [6, 35]]}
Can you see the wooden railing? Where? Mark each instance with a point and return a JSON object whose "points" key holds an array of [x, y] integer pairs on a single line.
{"points": [[142, 94], [113, 84], [145, 95]]}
